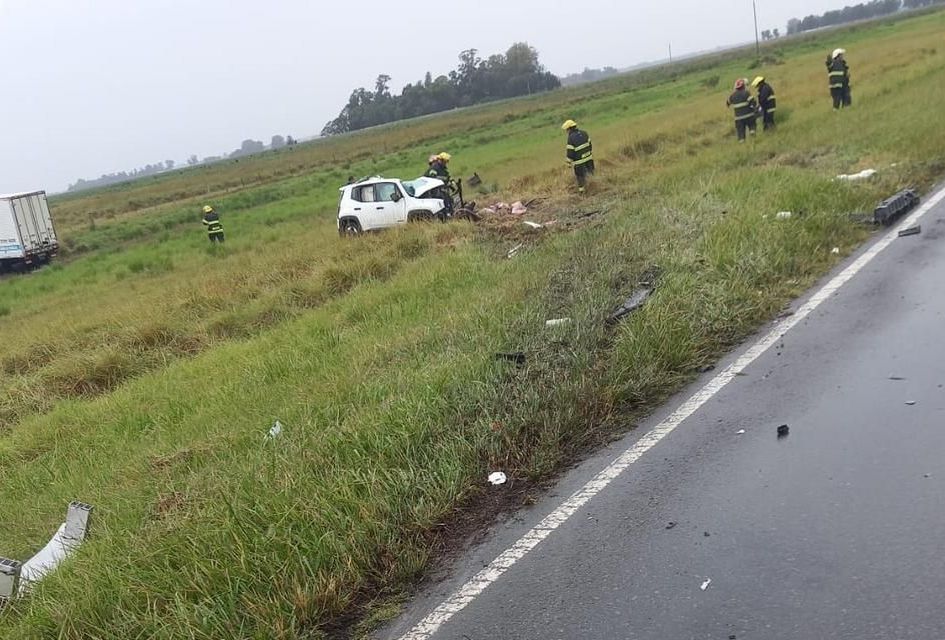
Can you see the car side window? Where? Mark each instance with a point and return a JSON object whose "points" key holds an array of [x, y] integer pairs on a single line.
{"points": [[363, 194], [385, 191]]}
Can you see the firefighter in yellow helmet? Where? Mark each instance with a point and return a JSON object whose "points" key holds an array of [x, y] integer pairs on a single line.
{"points": [[438, 168], [766, 101], [211, 220], [580, 153]]}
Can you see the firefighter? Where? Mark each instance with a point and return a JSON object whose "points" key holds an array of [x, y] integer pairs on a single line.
{"points": [[438, 168], [211, 220], [766, 101], [579, 153], [744, 106], [838, 75]]}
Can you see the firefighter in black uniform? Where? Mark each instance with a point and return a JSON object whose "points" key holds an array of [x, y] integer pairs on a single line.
{"points": [[211, 220], [580, 153], [744, 106], [766, 101], [838, 75], [438, 168]]}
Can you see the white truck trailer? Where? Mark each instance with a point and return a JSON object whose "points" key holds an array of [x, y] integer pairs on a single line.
{"points": [[27, 236]]}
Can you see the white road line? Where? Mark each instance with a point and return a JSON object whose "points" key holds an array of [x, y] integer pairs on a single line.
{"points": [[478, 583]]}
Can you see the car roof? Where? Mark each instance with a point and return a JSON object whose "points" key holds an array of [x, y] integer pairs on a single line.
{"points": [[371, 180]]}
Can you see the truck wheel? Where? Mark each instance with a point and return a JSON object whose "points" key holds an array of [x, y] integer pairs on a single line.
{"points": [[349, 228]]}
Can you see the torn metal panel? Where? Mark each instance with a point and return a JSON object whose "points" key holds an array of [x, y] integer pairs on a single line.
{"points": [[893, 207]]}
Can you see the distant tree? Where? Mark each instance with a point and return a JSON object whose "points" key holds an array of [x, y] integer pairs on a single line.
{"points": [[862, 11], [277, 142], [777, 33], [169, 164], [290, 141], [193, 160], [516, 72]]}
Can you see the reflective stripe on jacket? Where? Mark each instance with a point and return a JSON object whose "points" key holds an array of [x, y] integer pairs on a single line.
{"points": [[838, 74], [743, 104], [579, 149], [212, 222]]}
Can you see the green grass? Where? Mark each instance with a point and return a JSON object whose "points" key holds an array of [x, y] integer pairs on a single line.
{"points": [[142, 374]]}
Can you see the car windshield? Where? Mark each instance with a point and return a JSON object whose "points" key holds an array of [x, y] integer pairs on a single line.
{"points": [[410, 188]]}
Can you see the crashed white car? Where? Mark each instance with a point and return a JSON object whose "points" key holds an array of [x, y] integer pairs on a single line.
{"points": [[380, 203]]}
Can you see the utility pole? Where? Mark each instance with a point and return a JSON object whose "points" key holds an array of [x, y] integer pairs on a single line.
{"points": [[754, 10], [671, 53]]}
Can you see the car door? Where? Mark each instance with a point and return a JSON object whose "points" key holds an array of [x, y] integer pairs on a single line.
{"points": [[391, 203], [365, 207]]}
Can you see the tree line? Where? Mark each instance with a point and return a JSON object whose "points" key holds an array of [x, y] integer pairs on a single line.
{"points": [[862, 11], [247, 147], [475, 80]]}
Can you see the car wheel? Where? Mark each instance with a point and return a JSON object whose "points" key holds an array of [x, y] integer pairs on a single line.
{"points": [[349, 228]]}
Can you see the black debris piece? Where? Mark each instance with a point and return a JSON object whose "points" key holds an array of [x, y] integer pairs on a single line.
{"points": [[911, 231], [707, 368], [633, 303], [670, 525], [518, 357], [783, 431], [896, 378], [475, 181], [706, 534], [893, 207]]}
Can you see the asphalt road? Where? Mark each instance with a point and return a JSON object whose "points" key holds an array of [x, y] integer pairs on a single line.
{"points": [[835, 531]]}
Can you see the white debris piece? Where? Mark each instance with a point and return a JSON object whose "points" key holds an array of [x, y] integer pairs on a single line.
{"points": [[865, 174], [557, 322], [67, 538], [705, 585], [533, 225], [740, 432], [275, 431], [519, 209], [783, 215], [496, 478], [835, 250], [514, 250]]}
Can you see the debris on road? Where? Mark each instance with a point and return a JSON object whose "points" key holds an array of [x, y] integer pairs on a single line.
{"points": [[894, 206], [557, 322], [783, 431], [707, 368], [740, 432], [706, 534], [670, 524], [910, 402], [497, 478], [911, 231], [518, 357], [928, 475], [275, 431], [705, 585], [865, 174], [514, 250], [896, 378]]}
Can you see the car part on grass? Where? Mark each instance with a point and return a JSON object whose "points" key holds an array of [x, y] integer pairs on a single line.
{"points": [[16, 579], [835, 251], [497, 478], [865, 174], [783, 215], [911, 231], [557, 322], [893, 207], [533, 225], [275, 431], [518, 357], [514, 250], [519, 209], [475, 181], [634, 302]]}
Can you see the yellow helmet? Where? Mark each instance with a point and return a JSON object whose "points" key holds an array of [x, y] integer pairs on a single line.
{"points": [[445, 157], [757, 81], [569, 124], [207, 208]]}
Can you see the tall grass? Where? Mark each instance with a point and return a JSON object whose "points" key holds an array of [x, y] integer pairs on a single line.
{"points": [[143, 375]]}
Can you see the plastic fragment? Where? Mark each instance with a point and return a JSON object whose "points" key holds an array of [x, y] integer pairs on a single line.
{"points": [[533, 225], [557, 322], [705, 585], [783, 215], [275, 431], [497, 478], [865, 174]]}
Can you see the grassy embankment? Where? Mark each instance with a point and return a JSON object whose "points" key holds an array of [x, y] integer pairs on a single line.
{"points": [[142, 375]]}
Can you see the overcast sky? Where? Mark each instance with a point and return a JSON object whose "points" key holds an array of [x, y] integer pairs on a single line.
{"points": [[96, 86]]}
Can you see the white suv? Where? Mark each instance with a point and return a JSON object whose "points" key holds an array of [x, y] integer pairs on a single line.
{"points": [[380, 203]]}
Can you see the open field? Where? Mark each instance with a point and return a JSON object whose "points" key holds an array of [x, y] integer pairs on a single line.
{"points": [[141, 374]]}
